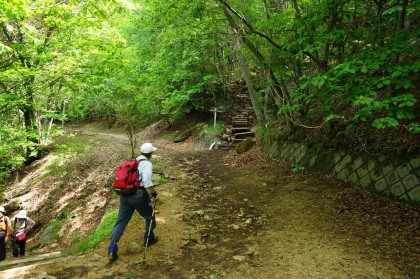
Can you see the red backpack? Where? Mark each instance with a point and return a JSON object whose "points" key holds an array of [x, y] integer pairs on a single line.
{"points": [[127, 178]]}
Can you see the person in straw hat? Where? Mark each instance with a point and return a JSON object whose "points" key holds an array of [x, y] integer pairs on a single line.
{"points": [[5, 232], [21, 224]]}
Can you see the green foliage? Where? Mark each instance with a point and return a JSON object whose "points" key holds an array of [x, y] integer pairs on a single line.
{"points": [[208, 210], [71, 153], [263, 134], [46, 48], [67, 149], [55, 227], [385, 122], [137, 61], [162, 180], [373, 82], [166, 261], [211, 129], [102, 232], [414, 127], [296, 168]]}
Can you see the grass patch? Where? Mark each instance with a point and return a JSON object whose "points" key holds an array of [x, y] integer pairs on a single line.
{"points": [[211, 129], [159, 167], [50, 235], [208, 210], [163, 180], [296, 168], [71, 152], [166, 261], [103, 231]]}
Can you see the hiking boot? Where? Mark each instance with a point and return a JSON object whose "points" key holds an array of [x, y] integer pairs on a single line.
{"points": [[112, 251], [112, 256], [151, 241]]}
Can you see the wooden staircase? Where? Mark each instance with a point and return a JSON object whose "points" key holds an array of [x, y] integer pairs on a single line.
{"points": [[240, 124]]}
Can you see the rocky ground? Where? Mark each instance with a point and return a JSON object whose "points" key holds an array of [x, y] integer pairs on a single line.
{"points": [[223, 215]]}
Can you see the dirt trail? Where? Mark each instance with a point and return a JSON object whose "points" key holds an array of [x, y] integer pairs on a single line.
{"points": [[228, 216]]}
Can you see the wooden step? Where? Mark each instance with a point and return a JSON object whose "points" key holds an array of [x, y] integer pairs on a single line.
{"points": [[244, 134], [240, 129], [240, 122], [240, 125], [240, 119]]}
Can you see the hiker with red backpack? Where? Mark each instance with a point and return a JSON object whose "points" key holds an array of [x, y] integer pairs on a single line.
{"points": [[21, 224], [142, 198], [5, 232]]}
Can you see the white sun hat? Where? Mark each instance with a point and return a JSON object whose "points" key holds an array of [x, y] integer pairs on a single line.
{"points": [[21, 214], [147, 148], [2, 210]]}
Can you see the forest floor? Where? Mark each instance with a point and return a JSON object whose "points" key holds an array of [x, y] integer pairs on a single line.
{"points": [[224, 215]]}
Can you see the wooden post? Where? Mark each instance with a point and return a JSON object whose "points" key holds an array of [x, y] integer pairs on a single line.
{"points": [[215, 111]]}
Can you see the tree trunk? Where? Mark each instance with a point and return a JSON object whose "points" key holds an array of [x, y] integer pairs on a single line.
{"points": [[250, 85], [403, 14], [132, 138], [29, 117], [260, 57]]}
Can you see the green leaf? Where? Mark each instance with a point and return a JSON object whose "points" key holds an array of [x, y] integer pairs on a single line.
{"points": [[333, 116], [392, 10], [385, 122], [414, 127]]}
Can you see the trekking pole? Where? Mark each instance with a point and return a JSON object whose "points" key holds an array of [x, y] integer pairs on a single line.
{"points": [[148, 234]]}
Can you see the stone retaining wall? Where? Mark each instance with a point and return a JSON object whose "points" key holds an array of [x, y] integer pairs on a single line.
{"points": [[394, 177]]}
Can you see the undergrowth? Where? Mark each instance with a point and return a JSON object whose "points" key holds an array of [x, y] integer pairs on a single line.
{"points": [[82, 243]]}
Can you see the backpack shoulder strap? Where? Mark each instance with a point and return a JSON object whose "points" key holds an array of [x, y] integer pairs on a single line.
{"points": [[5, 222]]}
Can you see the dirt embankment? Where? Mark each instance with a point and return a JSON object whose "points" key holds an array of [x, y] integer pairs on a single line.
{"points": [[224, 215]]}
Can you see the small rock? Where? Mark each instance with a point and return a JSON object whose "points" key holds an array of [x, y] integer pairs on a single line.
{"points": [[239, 258], [134, 247], [250, 253], [236, 227], [200, 212], [44, 275], [183, 176], [179, 217], [166, 194], [244, 146]]}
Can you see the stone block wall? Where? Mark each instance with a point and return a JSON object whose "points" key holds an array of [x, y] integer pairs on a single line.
{"points": [[395, 177]]}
